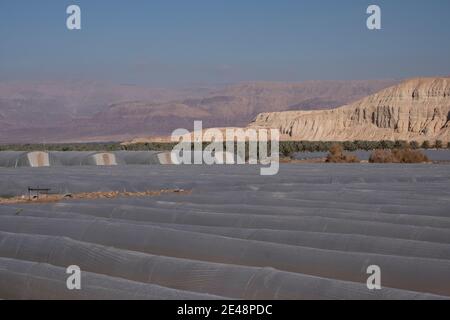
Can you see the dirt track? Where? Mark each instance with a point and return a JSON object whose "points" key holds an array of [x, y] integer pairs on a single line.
{"points": [[86, 195]]}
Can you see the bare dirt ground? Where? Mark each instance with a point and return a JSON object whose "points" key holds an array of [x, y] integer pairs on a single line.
{"points": [[87, 196]]}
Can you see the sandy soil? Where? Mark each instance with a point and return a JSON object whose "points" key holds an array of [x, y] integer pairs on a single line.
{"points": [[87, 195]]}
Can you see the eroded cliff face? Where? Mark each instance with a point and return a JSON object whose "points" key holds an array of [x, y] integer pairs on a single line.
{"points": [[418, 109]]}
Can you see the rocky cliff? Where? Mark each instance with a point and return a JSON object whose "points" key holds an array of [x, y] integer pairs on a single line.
{"points": [[418, 109]]}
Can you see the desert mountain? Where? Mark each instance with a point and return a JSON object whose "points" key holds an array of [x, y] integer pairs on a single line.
{"points": [[417, 109], [234, 105], [61, 112], [239, 104]]}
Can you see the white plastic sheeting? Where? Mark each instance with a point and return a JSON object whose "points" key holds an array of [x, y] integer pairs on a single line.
{"points": [[25, 159], [78, 158], [139, 157], [345, 266], [195, 275], [74, 158], [30, 280], [309, 232]]}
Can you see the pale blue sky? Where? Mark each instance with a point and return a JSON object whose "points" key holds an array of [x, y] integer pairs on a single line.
{"points": [[186, 42]]}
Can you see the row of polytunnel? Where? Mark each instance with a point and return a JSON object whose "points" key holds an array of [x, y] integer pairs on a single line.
{"points": [[14, 159], [310, 232]]}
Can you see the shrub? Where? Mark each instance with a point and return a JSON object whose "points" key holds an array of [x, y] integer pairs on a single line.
{"points": [[365, 145], [438, 144], [382, 156], [306, 146], [414, 145], [426, 144], [322, 146], [401, 144], [336, 149], [337, 155], [405, 155], [410, 156], [285, 149], [299, 146], [371, 145], [385, 144], [350, 146]]}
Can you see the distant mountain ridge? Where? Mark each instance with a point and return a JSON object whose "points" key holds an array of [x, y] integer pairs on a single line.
{"points": [[76, 112]]}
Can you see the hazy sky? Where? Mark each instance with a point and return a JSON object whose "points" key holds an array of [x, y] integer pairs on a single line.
{"points": [[185, 42]]}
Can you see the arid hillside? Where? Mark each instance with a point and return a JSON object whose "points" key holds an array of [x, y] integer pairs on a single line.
{"points": [[66, 112], [234, 105], [417, 109]]}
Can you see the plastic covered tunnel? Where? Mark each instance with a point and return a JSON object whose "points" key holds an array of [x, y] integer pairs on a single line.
{"points": [[76, 158], [310, 232]]}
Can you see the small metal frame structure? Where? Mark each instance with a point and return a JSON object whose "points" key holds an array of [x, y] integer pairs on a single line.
{"points": [[38, 191]]}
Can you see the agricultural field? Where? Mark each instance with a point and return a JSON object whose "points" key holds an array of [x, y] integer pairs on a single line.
{"points": [[310, 232]]}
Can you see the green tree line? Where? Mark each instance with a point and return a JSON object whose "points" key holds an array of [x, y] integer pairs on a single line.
{"points": [[287, 148]]}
